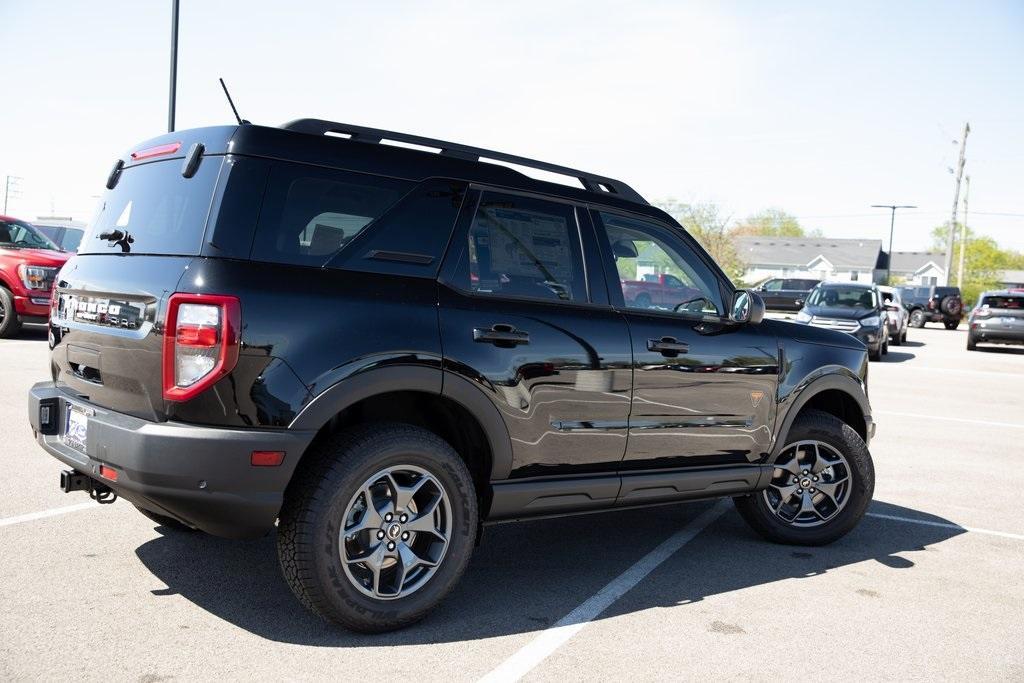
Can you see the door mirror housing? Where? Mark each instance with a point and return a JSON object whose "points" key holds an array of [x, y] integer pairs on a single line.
{"points": [[798, 302], [747, 307]]}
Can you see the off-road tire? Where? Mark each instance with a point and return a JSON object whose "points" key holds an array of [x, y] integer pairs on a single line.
{"points": [[308, 534], [917, 318], [10, 325], [818, 426], [951, 305], [163, 520]]}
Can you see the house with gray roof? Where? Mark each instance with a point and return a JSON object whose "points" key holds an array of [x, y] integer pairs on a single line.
{"points": [[822, 258], [923, 268]]}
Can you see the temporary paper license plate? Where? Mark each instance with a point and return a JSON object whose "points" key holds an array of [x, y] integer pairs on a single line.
{"points": [[77, 428]]}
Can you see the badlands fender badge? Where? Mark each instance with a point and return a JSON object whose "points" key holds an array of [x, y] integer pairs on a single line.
{"points": [[755, 397]]}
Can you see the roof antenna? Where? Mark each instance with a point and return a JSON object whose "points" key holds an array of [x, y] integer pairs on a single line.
{"points": [[238, 118]]}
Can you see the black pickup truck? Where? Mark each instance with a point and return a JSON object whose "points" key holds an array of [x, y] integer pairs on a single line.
{"points": [[373, 351]]}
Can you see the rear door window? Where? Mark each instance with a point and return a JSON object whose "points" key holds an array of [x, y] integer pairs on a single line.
{"points": [[153, 209], [524, 247], [310, 214]]}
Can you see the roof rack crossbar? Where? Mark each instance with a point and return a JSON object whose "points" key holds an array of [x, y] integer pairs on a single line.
{"points": [[590, 182]]}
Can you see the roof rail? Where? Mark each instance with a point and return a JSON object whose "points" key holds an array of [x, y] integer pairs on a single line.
{"points": [[590, 182]]}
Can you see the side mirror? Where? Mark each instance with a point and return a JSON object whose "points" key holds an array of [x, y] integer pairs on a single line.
{"points": [[747, 307], [798, 302]]}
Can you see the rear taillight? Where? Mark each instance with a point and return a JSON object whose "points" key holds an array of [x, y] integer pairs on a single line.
{"points": [[201, 340]]}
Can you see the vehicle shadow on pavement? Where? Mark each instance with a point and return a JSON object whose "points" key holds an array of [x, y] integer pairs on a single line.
{"points": [[525, 577], [1011, 350], [898, 356], [31, 333]]}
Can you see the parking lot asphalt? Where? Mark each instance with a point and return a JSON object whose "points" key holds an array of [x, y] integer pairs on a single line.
{"points": [[929, 586]]}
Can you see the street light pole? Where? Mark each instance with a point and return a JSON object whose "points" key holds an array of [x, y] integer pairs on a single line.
{"points": [[892, 225], [174, 66]]}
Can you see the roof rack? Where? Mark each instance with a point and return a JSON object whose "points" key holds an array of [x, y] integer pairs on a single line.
{"points": [[590, 182]]}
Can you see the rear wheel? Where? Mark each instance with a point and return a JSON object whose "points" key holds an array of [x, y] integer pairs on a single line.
{"points": [[642, 300], [9, 323], [951, 324], [917, 318], [903, 337], [378, 527], [897, 339], [821, 486], [972, 345]]}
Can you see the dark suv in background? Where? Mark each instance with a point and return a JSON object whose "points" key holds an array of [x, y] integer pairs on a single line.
{"points": [[856, 309], [933, 304], [786, 294], [379, 349]]}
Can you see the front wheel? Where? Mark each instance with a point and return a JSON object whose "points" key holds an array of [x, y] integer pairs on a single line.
{"points": [[917, 318], [9, 322], [378, 527], [951, 324], [821, 486]]}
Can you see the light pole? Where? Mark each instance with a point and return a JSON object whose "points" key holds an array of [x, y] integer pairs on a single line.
{"points": [[892, 224], [174, 66]]}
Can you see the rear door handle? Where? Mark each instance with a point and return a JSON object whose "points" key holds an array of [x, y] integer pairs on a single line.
{"points": [[667, 346], [501, 334]]}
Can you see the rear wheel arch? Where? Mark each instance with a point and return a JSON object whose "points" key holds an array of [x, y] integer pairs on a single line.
{"points": [[836, 395], [461, 415]]}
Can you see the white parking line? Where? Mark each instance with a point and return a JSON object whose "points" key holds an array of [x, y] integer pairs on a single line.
{"points": [[32, 516], [549, 640], [944, 525], [945, 418]]}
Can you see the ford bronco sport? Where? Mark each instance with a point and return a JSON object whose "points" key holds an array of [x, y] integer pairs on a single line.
{"points": [[381, 349]]}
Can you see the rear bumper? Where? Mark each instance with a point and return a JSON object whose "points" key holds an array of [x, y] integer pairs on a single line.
{"points": [[199, 475], [995, 334]]}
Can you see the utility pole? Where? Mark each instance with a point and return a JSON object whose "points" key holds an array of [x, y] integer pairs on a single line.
{"points": [[10, 189], [963, 236], [892, 224], [959, 171], [174, 66]]}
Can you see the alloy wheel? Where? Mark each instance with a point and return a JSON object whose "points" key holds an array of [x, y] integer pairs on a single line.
{"points": [[396, 532], [810, 485]]}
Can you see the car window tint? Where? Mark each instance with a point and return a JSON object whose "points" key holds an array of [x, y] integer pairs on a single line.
{"points": [[1016, 302], [658, 271], [310, 214], [524, 247], [773, 285]]}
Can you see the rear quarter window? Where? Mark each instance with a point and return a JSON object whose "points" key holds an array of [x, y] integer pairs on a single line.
{"points": [[310, 214]]}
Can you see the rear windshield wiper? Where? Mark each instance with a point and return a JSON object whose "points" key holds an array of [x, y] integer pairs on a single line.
{"points": [[122, 239]]}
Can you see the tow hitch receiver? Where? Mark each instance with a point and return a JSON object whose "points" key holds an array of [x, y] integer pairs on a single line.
{"points": [[70, 480]]}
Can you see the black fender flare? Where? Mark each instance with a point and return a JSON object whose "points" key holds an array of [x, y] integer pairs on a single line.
{"points": [[421, 378], [844, 383]]}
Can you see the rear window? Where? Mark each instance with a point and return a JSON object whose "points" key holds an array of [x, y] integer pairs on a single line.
{"points": [[309, 214], [947, 291], [1016, 302], [153, 209]]}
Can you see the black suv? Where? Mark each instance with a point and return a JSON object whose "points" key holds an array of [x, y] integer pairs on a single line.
{"points": [[786, 294], [380, 349], [933, 305]]}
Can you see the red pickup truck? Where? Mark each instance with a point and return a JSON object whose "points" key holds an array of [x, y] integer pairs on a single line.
{"points": [[658, 291], [28, 266]]}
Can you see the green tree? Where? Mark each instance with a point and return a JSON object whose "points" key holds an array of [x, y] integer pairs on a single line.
{"points": [[704, 221], [983, 260], [771, 223]]}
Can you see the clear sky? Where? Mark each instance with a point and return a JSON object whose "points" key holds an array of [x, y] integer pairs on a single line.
{"points": [[819, 108]]}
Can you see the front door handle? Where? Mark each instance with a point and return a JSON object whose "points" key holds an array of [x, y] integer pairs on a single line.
{"points": [[667, 346], [501, 334]]}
